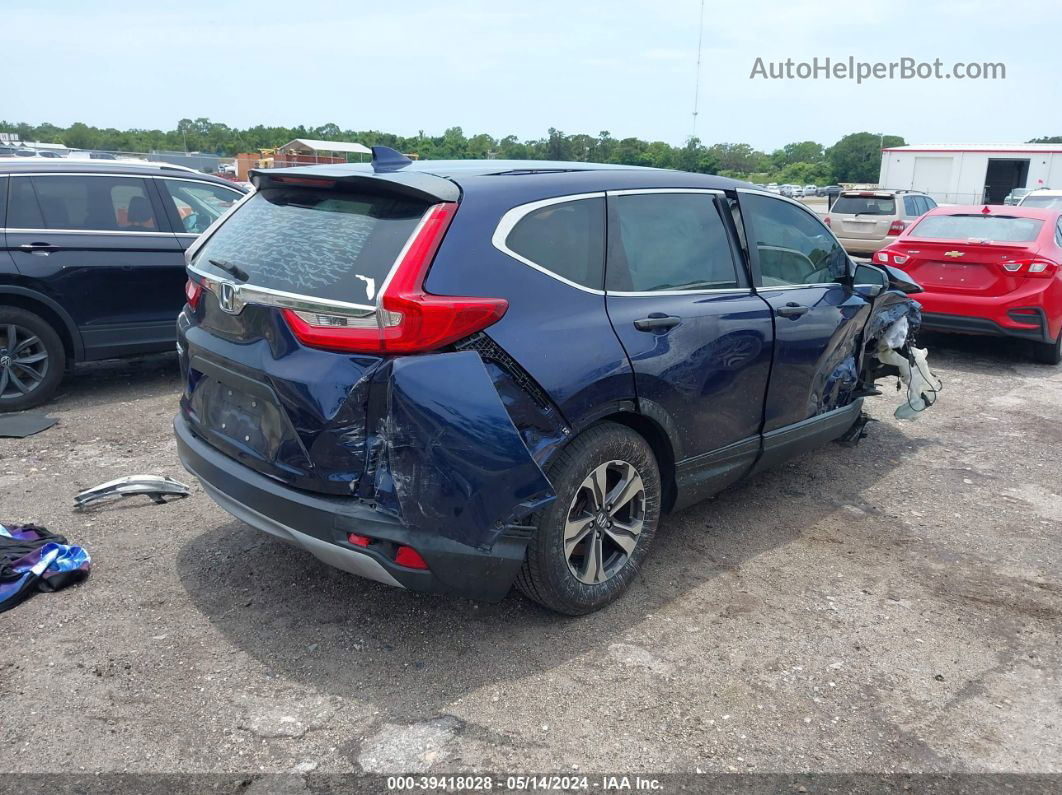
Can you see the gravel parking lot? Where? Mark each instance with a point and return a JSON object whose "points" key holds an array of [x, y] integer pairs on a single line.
{"points": [[891, 607]]}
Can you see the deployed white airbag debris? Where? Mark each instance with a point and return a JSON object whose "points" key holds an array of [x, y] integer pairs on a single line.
{"points": [[922, 385]]}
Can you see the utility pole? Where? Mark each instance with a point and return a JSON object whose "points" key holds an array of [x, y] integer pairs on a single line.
{"points": [[697, 79]]}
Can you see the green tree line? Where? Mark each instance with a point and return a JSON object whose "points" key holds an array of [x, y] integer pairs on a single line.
{"points": [[854, 158]]}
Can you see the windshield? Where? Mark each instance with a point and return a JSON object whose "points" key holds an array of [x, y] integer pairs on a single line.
{"points": [[864, 205], [997, 228], [317, 243]]}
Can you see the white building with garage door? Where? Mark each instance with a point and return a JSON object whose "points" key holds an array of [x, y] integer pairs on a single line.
{"points": [[971, 173]]}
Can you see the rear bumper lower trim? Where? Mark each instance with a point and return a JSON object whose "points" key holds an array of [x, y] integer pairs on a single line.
{"points": [[964, 324], [354, 562]]}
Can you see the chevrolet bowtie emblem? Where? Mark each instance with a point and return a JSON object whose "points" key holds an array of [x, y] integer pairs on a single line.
{"points": [[952, 253]]}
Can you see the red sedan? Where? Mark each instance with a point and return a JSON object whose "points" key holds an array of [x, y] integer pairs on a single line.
{"points": [[987, 270]]}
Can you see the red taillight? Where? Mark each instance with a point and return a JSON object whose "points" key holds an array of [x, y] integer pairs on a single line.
{"points": [[889, 257], [407, 320], [358, 540], [410, 558], [1035, 269], [193, 292], [897, 226]]}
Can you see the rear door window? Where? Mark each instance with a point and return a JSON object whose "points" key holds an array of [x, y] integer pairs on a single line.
{"points": [[89, 203], [913, 206], [565, 238], [668, 241], [317, 243], [24, 212], [997, 228], [198, 204], [864, 205]]}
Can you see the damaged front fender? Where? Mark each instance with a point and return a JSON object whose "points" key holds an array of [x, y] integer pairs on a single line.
{"points": [[444, 455], [890, 350]]}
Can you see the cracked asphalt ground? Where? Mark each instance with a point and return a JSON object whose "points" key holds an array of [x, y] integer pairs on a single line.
{"points": [[891, 607]]}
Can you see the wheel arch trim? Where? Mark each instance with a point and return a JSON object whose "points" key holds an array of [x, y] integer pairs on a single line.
{"points": [[69, 332]]}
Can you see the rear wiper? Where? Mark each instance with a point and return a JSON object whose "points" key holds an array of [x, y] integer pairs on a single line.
{"points": [[231, 268]]}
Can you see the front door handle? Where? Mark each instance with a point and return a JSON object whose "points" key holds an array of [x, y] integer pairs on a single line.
{"points": [[792, 310], [657, 320], [38, 248]]}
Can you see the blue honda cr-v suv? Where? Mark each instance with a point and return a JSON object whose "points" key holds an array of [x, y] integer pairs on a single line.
{"points": [[454, 376]]}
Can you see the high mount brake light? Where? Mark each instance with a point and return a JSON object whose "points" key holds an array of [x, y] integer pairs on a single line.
{"points": [[407, 319], [305, 182]]}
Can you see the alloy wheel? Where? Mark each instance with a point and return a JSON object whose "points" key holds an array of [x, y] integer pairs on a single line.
{"points": [[604, 522], [23, 361]]}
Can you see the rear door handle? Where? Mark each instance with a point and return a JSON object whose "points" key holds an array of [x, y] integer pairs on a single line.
{"points": [[38, 248], [792, 310], [657, 320]]}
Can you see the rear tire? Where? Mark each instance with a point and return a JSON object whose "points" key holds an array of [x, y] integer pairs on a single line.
{"points": [[1048, 352], [32, 359], [590, 541]]}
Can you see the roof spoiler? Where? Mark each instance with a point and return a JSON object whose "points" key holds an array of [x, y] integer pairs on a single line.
{"points": [[403, 184]]}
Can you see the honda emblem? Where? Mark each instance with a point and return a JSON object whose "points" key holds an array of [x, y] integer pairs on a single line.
{"points": [[229, 298]]}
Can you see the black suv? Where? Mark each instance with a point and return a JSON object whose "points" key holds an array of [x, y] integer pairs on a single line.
{"points": [[92, 263]]}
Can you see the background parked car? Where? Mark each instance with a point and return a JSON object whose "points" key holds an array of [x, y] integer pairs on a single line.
{"points": [[92, 263], [865, 220], [811, 190], [1046, 199], [995, 272], [829, 190], [1016, 195], [772, 187]]}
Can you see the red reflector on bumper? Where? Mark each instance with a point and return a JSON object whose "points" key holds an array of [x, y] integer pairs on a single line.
{"points": [[410, 558], [358, 540]]}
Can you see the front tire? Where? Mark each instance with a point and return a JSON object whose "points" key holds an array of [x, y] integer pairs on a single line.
{"points": [[591, 540], [32, 359], [1048, 352]]}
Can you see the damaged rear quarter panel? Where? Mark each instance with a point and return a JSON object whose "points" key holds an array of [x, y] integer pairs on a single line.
{"points": [[445, 456]]}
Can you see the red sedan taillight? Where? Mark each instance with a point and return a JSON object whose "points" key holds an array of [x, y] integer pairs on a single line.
{"points": [[407, 319], [1036, 269]]}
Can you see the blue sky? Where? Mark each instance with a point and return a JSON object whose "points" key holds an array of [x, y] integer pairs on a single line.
{"points": [[627, 66]]}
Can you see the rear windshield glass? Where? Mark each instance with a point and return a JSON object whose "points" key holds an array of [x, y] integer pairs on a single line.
{"points": [[1044, 202], [319, 243], [998, 228], [864, 205]]}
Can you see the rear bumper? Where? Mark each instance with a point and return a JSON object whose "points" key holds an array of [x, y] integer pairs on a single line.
{"points": [[320, 524], [1032, 312], [965, 324]]}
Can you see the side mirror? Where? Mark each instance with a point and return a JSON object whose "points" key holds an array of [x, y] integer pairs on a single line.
{"points": [[899, 280]]}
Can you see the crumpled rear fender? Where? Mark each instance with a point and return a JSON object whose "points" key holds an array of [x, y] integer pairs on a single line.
{"points": [[444, 454]]}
